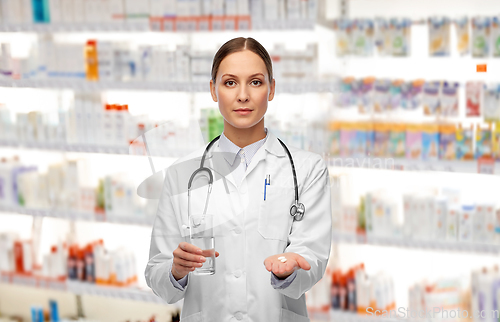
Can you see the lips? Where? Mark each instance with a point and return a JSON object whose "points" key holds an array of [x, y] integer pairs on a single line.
{"points": [[243, 111]]}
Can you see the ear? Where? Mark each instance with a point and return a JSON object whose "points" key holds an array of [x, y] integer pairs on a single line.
{"points": [[271, 93], [212, 91]]}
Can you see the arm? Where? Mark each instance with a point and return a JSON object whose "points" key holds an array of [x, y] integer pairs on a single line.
{"points": [[312, 237], [165, 238]]}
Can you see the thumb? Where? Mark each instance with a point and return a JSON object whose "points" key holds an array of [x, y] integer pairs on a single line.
{"points": [[303, 263]]}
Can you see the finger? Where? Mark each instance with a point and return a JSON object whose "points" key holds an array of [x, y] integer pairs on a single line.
{"points": [[268, 264], [190, 248], [208, 252], [303, 263], [188, 256], [277, 268], [185, 263], [216, 254]]}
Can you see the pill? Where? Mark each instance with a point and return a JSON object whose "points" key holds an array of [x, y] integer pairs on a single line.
{"points": [[283, 260], [281, 257]]}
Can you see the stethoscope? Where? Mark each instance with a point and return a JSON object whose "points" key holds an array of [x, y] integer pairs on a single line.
{"points": [[297, 209]]}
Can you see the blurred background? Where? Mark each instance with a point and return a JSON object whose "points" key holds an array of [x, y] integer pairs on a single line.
{"points": [[401, 98]]}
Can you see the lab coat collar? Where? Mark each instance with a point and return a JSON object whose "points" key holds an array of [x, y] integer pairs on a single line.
{"points": [[273, 146]]}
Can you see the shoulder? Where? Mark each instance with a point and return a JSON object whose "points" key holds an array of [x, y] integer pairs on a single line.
{"points": [[303, 158]]}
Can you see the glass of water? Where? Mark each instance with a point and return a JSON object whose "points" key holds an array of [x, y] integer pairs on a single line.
{"points": [[201, 233]]}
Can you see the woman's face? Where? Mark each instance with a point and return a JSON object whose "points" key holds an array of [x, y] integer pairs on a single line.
{"points": [[242, 89]]}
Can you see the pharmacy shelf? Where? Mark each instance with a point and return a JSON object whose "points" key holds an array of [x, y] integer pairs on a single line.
{"points": [[143, 26], [437, 245], [305, 86], [82, 288], [343, 316], [414, 165], [62, 147], [83, 216]]}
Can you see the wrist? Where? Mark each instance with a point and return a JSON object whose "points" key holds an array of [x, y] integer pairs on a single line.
{"points": [[282, 276], [176, 275]]}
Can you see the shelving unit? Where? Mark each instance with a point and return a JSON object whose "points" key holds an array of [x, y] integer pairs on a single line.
{"points": [[432, 245], [144, 26], [315, 86], [82, 288], [82, 216], [398, 164], [57, 147]]}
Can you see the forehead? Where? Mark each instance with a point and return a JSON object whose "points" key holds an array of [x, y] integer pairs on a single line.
{"points": [[242, 63]]}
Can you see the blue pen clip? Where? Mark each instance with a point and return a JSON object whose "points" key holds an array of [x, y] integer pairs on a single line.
{"points": [[267, 182]]}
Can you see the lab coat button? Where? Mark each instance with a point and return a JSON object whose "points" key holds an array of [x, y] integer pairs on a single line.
{"points": [[237, 274], [238, 316], [237, 230]]}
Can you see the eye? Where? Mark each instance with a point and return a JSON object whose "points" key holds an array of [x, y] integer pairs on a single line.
{"points": [[256, 82], [230, 83]]}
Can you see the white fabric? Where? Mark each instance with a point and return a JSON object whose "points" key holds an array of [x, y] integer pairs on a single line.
{"points": [[248, 230]]}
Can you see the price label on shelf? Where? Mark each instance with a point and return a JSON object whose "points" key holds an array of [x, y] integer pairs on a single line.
{"points": [[486, 165]]}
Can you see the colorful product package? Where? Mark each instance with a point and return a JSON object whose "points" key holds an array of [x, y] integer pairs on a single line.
{"points": [[411, 94], [381, 140], [430, 142], [345, 97], [361, 142], [492, 103], [430, 98], [481, 36], [466, 218], [334, 138], [484, 223], [381, 95], [495, 36], [483, 142], [363, 37], [397, 140], [413, 142], [347, 139], [464, 143], [452, 222], [343, 28], [364, 95], [439, 36], [401, 36], [473, 93], [447, 142], [395, 94], [449, 99], [496, 142], [440, 213], [463, 35], [383, 37], [370, 138]]}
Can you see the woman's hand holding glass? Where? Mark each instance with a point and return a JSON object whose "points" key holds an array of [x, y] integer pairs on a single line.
{"points": [[283, 269], [187, 258]]}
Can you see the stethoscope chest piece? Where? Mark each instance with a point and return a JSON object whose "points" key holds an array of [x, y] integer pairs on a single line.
{"points": [[297, 211]]}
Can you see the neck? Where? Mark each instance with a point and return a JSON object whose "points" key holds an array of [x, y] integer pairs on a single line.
{"points": [[244, 137]]}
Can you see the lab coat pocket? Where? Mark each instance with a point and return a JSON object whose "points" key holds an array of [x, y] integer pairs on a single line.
{"points": [[274, 213], [290, 316], [192, 318]]}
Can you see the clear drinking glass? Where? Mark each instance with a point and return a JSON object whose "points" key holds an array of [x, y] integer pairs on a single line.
{"points": [[201, 234]]}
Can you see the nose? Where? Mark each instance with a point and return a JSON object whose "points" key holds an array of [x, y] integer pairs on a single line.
{"points": [[243, 95]]}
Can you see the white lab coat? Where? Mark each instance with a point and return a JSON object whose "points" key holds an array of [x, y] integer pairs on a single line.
{"points": [[249, 230]]}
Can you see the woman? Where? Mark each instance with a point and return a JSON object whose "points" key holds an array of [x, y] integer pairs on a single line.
{"points": [[256, 231]]}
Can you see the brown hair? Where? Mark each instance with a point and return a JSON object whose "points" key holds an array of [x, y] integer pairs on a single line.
{"points": [[240, 44]]}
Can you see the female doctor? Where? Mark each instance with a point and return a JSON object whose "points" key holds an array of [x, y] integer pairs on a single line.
{"points": [[253, 191]]}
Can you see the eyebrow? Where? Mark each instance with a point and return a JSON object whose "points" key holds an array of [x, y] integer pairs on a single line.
{"points": [[234, 76]]}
